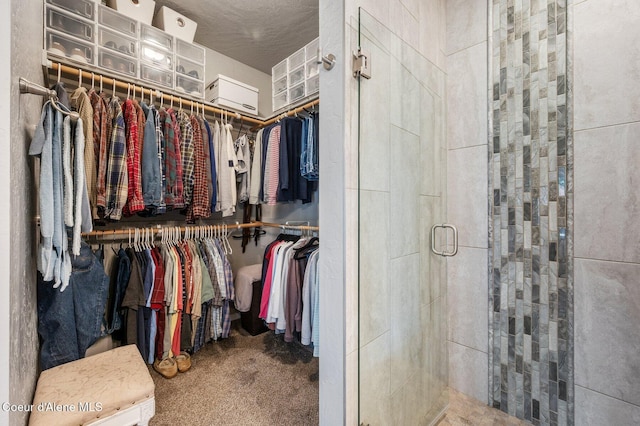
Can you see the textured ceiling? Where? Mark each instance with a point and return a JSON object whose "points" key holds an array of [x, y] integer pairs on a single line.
{"points": [[259, 33]]}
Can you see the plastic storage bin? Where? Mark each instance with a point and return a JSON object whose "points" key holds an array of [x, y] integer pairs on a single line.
{"points": [[312, 68], [280, 101], [296, 93], [156, 75], [296, 59], [68, 47], [175, 24], [140, 10], [227, 92], [280, 86], [156, 37], [116, 42], [188, 68], [189, 85], [279, 70], [117, 21], [155, 56], [297, 76], [83, 8], [119, 63], [67, 23], [312, 85], [190, 51]]}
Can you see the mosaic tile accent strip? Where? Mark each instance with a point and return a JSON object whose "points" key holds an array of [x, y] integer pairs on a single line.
{"points": [[530, 163]]}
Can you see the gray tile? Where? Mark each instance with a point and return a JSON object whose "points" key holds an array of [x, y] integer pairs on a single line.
{"points": [[466, 24], [607, 314], [605, 67], [468, 371], [595, 409], [606, 209]]}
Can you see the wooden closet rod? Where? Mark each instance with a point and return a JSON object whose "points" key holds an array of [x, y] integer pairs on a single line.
{"points": [[147, 92], [291, 112], [176, 99], [231, 227], [301, 227]]}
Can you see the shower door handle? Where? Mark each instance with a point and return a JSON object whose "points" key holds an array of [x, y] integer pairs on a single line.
{"points": [[444, 252]]}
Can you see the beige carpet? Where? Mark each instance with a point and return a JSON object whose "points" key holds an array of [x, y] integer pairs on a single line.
{"points": [[243, 380]]}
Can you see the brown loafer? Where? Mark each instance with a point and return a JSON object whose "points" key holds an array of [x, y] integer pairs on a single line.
{"points": [[167, 368], [183, 361]]}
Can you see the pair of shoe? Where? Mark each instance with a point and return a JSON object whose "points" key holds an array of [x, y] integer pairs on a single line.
{"points": [[169, 367]]}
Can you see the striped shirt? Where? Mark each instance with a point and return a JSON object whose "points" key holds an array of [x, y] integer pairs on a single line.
{"points": [[272, 163]]}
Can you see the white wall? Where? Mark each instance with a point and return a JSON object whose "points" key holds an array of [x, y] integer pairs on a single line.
{"points": [[217, 63], [606, 85], [467, 194], [332, 216]]}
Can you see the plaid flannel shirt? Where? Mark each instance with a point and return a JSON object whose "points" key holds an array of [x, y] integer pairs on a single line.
{"points": [[201, 204], [187, 152], [117, 179], [101, 139], [135, 202], [160, 146]]}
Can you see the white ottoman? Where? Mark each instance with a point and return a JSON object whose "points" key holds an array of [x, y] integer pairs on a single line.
{"points": [[111, 388]]}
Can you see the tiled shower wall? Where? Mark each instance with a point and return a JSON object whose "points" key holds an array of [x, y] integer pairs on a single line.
{"points": [[530, 163]]}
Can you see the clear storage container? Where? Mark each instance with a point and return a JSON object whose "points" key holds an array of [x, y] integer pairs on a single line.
{"points": [[296, 59], [312, 68], [117, 21], [279, 70], [156, 37], [156, 75], [188, 85], [296, 93], [312, 85], [188, 68], [116, 42], [119, 63], [157, 57], [62, 21], [280, 86], [68, 47], [190, 51], [83, 8], [279, 101], [296, 76]]}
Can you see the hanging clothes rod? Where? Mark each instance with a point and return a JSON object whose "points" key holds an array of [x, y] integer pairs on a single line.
{"points": [[176, 99], [285, 226], [289, 113], [150, 92], [231, 227], [29, 87]]}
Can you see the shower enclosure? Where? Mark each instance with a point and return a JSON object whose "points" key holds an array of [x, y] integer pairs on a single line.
{"points": [[402, 282]]}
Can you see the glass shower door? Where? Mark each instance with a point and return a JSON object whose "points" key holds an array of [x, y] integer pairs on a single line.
{"points": [[402, 356]]}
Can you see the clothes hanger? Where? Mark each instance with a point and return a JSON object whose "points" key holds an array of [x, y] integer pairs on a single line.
{"points": [[79, 78], [100, 83], [93, 83]]}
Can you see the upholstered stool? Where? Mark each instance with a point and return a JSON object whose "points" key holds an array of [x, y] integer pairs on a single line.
{"points": [[111, 388]]}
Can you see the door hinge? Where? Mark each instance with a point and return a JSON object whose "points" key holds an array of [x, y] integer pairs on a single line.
{"points": [[361, 64]]}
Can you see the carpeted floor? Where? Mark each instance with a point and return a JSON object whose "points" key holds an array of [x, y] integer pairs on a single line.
{"points": [[243, 380]]}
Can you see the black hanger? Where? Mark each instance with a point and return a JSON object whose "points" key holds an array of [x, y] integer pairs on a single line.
{"points": [[308, 247]]}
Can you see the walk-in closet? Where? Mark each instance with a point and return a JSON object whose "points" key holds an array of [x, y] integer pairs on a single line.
{"points": [[175, 174]]}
